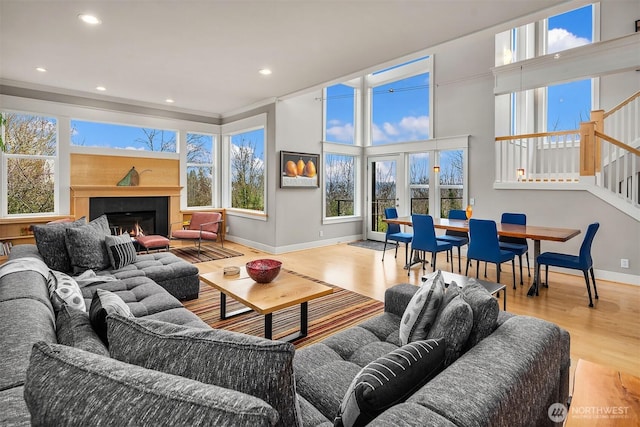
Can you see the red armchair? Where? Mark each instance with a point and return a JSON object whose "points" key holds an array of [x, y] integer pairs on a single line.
{"points": [[203, 226]]}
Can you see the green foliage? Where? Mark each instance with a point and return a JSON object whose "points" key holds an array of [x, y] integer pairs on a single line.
{"points": [[247, 177], [199, 187], [30, 183]]}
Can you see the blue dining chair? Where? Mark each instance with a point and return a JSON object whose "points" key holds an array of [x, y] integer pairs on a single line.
{"points": [[517, 245], [484, 246], [424, 240], [582, 261], [456, 238], [394, 234]]}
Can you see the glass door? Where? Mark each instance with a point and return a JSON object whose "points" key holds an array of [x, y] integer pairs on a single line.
{"points": [[385, 189]]}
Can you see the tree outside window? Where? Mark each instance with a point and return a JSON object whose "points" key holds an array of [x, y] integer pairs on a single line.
{"points": [[340, 184], [199, 169], [31, 149], [248, 170], [451, 181]]}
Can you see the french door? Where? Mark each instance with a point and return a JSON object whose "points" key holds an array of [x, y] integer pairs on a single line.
{"points": [[385, 189]]}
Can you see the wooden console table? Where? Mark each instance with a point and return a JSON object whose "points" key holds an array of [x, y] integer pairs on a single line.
{"points": [[603, 396]]}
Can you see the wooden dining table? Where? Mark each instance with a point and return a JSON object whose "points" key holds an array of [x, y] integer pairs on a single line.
{"points": [[533, 232]]}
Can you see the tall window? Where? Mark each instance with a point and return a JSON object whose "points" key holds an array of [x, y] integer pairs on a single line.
{"points": [[400, 103], [107, 135], [247, 157], [451, 181], [340, 185], [200, 169], [419, 182], [340, 113], [556, 107], [31, 157]]}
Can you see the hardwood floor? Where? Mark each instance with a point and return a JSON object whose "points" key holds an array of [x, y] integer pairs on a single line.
{"points": [[608, 334]]}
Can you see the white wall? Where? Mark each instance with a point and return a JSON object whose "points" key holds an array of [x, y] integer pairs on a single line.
{"points": [[464, 104]]}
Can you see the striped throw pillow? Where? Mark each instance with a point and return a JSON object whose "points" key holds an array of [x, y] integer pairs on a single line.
{"points": [[121, 250]]}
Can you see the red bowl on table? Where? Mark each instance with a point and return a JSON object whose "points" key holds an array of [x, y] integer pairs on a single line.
{"points": [[263, 270]]}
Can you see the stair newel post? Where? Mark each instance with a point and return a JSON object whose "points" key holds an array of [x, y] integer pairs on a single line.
{"points": [[597, 116], [587, 149]]}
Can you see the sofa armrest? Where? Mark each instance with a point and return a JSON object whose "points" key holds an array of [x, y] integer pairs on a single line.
{"points": [[397, 298]]}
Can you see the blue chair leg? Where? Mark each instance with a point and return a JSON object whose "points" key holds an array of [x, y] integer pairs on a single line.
{"points": [[433, 260], [466, 269], [397, 244], [513, 269], [593, 279], [519, 262], [384, 250], [586, 280], [478, 267]]}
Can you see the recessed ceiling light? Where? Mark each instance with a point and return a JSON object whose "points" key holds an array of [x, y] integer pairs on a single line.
{"points": [[41, 69], [169, 101], [101, 88], [89, 19], [264, 71]]}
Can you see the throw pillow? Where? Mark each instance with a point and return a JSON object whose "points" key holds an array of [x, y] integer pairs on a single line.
{"points": [[73, 328], [255, 366], [63, 289], [104, 303], [86, 245], [121, 250], [65, 386], [422, 309], [485, 311], [51, 243], [390, 380], [453, 323]]}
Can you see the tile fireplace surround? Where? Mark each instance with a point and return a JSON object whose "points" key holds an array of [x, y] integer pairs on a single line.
{"points": [[81, 194]]}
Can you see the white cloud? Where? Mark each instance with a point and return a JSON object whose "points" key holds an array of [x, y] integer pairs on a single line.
{"points": [[390, 129], [342, 133], [417, 125], [334, 122], [560, 39], [409, 128]]}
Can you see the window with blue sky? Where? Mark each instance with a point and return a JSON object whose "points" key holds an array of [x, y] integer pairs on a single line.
{"points": [[108, 135], [200, 168], [340, 114]]}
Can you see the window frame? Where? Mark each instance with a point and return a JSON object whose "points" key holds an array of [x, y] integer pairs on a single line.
{"points": [[227, 131], [356, 153], [394, 73], [212, 165], [4, 160], [356, 84]]}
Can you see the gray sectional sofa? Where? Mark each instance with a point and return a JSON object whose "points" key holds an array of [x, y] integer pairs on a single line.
{"points": [[170, 368]]}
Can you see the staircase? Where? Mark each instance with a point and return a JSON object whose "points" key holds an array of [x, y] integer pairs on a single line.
{"points": [[601, 157]]}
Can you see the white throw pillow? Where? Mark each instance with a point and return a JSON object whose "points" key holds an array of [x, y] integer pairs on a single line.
{"points": [[63, 289], [422, 310]]}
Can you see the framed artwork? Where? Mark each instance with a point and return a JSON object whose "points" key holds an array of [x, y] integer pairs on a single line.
{"points": [[299, 170]]}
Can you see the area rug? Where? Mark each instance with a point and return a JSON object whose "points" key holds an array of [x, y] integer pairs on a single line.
{"points": [[372, 244], [327, 315], [207, 253]]}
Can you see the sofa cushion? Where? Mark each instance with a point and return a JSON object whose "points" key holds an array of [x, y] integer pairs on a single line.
{"points": [[50, 240], [103, 304], [422, 309], [64, 290], [252, 365], [453, 323], [485, 311], [74, 329], [67, 386], [390, 380], [121, 250], [14, 409], [86, 247], [22, 322]]}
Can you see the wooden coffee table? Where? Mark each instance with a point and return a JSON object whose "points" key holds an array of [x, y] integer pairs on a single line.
{"points": [[285, 291]]}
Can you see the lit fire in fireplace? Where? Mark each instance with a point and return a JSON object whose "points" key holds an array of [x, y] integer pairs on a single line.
{"points": [[136, 231]]}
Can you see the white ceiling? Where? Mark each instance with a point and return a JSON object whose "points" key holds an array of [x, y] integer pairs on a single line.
{"points": [[206, 54]]}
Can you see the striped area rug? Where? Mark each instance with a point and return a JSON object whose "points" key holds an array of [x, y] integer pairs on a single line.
{"points": [[207, 253], [327, 315]]}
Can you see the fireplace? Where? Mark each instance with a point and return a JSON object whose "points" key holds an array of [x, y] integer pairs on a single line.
{"points": [[149, 215]]}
